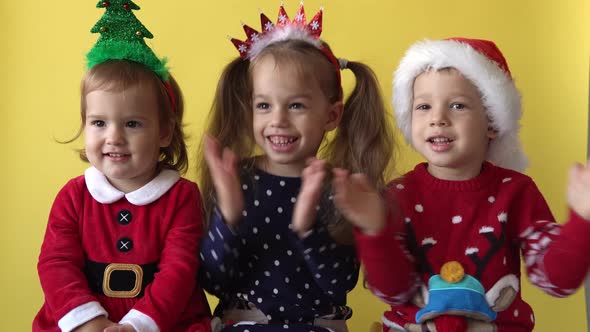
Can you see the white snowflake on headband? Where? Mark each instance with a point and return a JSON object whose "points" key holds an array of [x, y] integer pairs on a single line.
{"points": [[284, 29]]}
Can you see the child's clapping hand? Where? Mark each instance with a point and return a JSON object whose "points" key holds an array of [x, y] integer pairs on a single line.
{"points": [[578, 190], [309, 196], [223, 168], [358, 201]]}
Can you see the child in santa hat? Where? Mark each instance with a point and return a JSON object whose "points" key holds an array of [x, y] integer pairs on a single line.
{"points": [[447, 257]]}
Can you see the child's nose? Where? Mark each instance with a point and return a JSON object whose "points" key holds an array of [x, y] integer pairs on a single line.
{"points": [[115, 136], [279, 118], [438, 117]]}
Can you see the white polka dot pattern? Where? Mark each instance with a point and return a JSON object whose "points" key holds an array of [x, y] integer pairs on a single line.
{"points": [[292, 279]]}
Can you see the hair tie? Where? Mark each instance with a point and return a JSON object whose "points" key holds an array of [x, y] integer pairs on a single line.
{"points": [[343, 63]]}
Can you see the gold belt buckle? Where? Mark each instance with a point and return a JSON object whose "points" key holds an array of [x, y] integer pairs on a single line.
{"points": [[106, 288]]}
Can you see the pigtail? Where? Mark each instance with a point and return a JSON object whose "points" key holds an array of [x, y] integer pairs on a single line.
{"points": [[364, 141], [229, 121]]}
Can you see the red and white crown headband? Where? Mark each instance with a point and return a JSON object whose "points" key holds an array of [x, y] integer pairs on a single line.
{"points": [[286, 29]]}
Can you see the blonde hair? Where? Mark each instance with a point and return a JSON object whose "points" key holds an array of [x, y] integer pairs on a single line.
{"points": [[363, 141], [117, 75]]}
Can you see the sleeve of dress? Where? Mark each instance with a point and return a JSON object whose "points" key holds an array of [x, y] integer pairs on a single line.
{"points": [[168, 295], [556, 256], [61, 263], [219, 254], [389, 270], [334, 266]]}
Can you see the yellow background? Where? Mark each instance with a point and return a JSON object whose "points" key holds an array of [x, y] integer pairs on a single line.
{"points": [[43, 43]]}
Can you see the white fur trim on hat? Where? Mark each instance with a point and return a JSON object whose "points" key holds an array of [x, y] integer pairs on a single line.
{"points": [[499, 94]]}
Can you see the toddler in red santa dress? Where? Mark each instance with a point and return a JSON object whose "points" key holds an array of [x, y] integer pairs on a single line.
{"points": [[120, 249]]}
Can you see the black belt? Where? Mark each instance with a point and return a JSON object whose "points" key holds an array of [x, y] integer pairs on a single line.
{"points": [[119, 280]]}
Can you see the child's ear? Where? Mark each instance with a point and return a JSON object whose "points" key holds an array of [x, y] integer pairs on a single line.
{"points": [[166, 133], [334, 116]]}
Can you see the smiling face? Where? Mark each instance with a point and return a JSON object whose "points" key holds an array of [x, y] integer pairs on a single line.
{"points": [[123, 135], [291, 114], [450, 127]]}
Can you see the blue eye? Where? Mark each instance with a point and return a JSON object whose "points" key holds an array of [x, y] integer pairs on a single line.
{"points": [[133, 124], [98, 123]]}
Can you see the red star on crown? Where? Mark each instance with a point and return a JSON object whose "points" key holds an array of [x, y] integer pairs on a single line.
{"points": [[284, 29]]}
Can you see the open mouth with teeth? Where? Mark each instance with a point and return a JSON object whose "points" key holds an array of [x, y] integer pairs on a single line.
{"points": [[117, 156], [440, 143], [282, 143], [439, 140]]}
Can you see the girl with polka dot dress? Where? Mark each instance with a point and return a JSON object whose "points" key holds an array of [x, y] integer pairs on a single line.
{"points": [[277, 253], [120, 249], [447, 257]]}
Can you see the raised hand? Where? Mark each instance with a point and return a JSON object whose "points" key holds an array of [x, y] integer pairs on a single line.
{"points": [[223, 170], [304, 212], [358, 201], [578, 190]]}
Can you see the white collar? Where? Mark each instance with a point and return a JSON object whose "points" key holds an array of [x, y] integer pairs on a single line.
{"points": [[104, 192]]}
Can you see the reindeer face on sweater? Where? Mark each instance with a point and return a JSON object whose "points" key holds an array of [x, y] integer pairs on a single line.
{"points": [[453, 292]]}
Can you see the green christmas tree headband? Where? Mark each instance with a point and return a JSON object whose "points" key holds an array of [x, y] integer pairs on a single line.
{"points": [[121, 38]]}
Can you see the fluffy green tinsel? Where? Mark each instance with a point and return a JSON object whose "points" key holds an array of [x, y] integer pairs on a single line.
{"points": [[125, 50]]}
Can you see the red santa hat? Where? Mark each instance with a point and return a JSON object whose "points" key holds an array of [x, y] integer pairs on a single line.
{"points": [[481, 62]]}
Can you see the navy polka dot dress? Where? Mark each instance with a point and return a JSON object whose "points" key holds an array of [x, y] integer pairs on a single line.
{"points": [[263, 264]]}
